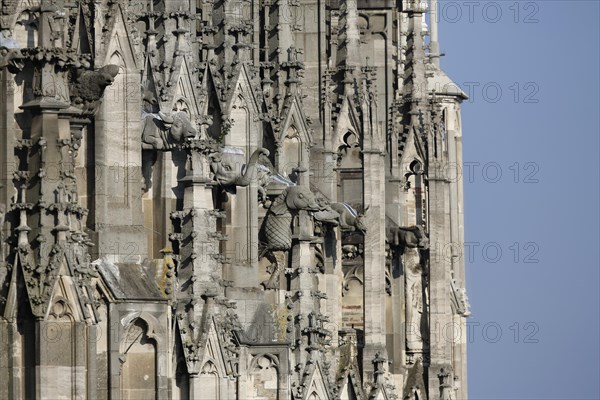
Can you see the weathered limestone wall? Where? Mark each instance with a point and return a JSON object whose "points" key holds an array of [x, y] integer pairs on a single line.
{"points": [[143, 221], [117, 159]]}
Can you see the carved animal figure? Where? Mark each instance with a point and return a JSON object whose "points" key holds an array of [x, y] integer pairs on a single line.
{"points": [[230, 168], [278, 221], [411, 237], [89, 86], [350, 219], [163, 132], [326, 213], [149, 101], [301, 198], [266, 174], [11, 59], [277, 227], [10, 54]]}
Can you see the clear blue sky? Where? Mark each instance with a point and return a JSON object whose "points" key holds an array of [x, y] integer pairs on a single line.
{"points": [[548, 130]]}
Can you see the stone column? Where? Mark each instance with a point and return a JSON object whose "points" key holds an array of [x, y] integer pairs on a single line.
{"points": [[459, 356], [7, 135], [398, 321], [440, 313], [195, 386], [302, 284], [199, 272], [310, 35], [9, 347], [374, 249], [374, 256], [349, 46], [45, 228], [333, 282]]}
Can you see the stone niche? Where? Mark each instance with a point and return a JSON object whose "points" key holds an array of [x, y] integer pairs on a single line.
{"points": [[138, 372]]}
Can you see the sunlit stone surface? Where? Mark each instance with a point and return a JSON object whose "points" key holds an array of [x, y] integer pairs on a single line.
{"points": [[232, 199]]}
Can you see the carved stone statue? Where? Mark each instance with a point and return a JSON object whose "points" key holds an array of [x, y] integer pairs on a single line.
{"points": [[326, 213], [277, 227], [411, 241], [11, 59], [264, 174], [411, 237], [230, 168], [149, 101], [445, 376], [459, 299], [163, 132], [414, 298], [267, 174], [88, 86], [10, 55], [350, 219]]}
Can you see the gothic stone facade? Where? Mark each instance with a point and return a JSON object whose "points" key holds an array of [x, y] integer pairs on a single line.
{"points": [[228, 199]]}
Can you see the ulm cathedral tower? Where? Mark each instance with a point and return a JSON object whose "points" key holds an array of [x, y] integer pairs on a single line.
{"points": [[229, 199]]}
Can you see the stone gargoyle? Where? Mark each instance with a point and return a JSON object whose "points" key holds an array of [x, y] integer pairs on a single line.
{"points": [[350, 219], [230, 169], [267, 175], [165, 132], [276, 230], [342, 215], [11, 59], [88, 86], [411, 237], [10, 54]]}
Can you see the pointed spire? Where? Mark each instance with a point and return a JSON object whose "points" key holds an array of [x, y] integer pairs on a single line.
{"points": [[349, 34], [415, 83]]}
